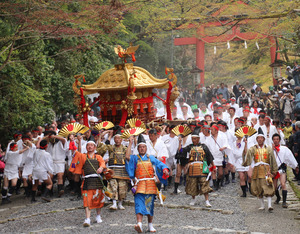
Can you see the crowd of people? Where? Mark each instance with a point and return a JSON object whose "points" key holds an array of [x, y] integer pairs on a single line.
{"points": [[100, 163]]}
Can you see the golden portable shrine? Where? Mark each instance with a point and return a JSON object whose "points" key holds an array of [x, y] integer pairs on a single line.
{"points": [[126, 91]]}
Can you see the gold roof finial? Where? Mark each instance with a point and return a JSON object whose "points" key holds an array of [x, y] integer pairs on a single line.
{"points": [[129, 52]]}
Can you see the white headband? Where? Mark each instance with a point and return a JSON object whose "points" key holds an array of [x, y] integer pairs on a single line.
{"points": [[91, 142]]}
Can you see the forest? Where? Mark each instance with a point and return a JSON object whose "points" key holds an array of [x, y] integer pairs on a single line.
{"points": [[43, 44]]}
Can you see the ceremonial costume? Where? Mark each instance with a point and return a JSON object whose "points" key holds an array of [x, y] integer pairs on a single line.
{"points": [[230, 122], [58, 151], [264, 163], [27, 162], [199, 158], [214, 146], [237, 155], [146, 183], [145, 170], [11, 172], [42, 165], [237, 152], [57, 147], [269, 133], [118, 185], [284, 157], [93, 196], [172, 145], [13, 160], [196, 183], [158, 150]]}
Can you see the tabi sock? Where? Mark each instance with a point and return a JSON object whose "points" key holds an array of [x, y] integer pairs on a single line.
{"points": [[87, 220], [151, 228], [269, 202], [207, 203], [141, 225], [114, 202], [98, 219]]}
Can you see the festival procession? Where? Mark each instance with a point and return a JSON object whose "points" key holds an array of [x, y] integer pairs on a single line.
{"points": [[207, 158]]}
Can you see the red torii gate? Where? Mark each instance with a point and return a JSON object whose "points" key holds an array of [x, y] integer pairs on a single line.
{"points": [[236, 35]]}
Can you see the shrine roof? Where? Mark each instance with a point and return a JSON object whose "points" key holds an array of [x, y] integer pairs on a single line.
{"points": [[117, 78]]}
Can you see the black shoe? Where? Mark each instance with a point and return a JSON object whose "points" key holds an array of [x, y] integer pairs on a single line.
{"points": [[244, 195], [33, 201], [298, 182], [47, 199], [174, 192], [5, 201], [60, 190], [284, 205], [45, 195], [18, 192], [278, 198]]}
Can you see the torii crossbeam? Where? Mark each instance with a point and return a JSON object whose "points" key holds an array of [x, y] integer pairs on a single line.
{"points": [[236, 35]]}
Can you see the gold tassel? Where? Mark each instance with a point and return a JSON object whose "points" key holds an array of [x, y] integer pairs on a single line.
{"points": [[123, 161], [115, 161]]}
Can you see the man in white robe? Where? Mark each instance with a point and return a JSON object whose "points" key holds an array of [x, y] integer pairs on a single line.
{"points": [[284, 157], [11, 172], [27, 163], [172, 143], [219, 148], [57, 147], [42, 170]]}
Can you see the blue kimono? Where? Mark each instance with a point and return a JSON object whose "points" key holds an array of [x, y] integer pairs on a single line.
{"points": [[144, 203]]}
